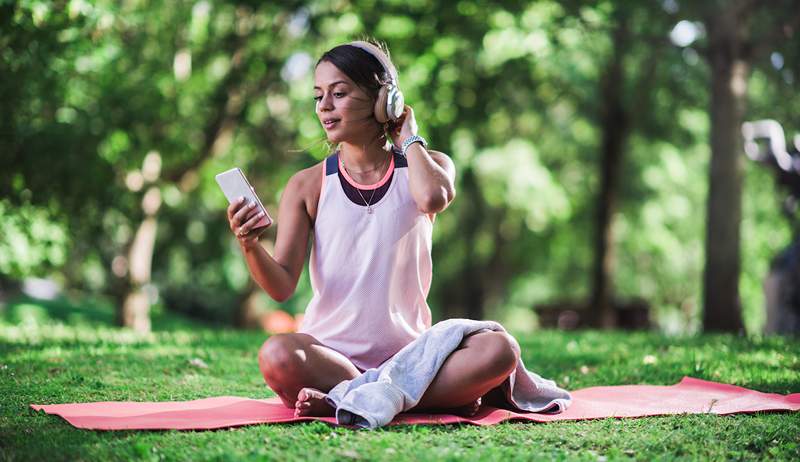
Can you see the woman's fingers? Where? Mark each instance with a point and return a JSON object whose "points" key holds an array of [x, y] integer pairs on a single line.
{"points": [[251, 221], [234, 207], [243, 214]]}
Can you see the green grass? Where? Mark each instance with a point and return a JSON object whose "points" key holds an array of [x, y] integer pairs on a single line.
{"points": [[44, 361]]}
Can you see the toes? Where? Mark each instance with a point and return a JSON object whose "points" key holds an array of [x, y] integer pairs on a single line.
{"points": [[306, 394], [311, 402], [302, 395]]}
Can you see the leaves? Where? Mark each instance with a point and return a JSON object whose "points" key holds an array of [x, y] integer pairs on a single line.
{"points": [[508, 89]]}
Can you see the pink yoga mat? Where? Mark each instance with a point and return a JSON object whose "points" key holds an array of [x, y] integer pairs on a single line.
{"points": [[690, 396]]}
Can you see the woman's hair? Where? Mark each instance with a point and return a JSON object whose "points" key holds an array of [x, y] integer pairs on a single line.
{"points": [[362, 68]]}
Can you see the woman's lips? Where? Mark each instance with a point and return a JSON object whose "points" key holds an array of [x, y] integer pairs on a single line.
{"points": [[329, 124]]}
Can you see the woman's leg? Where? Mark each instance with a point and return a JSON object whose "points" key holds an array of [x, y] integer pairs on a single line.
{"points": [[482, 362], [291, 362]]}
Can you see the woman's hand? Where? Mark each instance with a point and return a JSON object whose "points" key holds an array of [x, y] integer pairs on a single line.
{"points": [[242, 216], [403, 127]]}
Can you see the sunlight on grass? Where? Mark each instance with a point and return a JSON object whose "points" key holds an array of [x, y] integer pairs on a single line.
{"points": [[60, 363]]}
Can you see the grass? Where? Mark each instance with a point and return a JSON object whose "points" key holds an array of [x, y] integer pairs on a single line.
{"points": [[43, 360]]}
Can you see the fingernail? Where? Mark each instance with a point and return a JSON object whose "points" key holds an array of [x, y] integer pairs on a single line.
{"points": [[261, 213], [241, 198]]}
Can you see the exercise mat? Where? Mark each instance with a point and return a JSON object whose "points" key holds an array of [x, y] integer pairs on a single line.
{"points": [[689, 396]]}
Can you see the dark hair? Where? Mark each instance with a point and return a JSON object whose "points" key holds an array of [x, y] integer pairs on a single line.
{"points": [[359, 65]]}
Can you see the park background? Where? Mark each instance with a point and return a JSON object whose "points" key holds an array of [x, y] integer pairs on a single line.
{"points": [[581, 133], [592, 140]]}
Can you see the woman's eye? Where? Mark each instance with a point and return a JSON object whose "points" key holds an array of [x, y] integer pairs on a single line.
{"points": [[338, 94], [317, 98]]}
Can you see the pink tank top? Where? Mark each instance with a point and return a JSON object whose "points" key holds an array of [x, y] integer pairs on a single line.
{"points": [[370, 272]]}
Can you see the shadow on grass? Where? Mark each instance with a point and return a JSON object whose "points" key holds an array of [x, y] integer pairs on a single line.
{"points": [[88, 311]]}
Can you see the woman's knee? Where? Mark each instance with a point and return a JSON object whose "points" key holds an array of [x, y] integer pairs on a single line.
{"points": [[500, 352], [282, 354]]}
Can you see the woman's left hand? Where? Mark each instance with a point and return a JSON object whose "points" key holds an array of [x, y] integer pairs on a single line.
{"points": [[403, 127]]}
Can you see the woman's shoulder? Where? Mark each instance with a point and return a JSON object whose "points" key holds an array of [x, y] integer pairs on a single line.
{"points": [[305, 185], [307, 178]]}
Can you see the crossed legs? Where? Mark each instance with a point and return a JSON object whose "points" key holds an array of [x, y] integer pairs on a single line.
{"points": [[482, 362], [300, 370], [291, 362]]}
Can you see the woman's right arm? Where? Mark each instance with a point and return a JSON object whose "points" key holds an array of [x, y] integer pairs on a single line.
{"points": [[277, 275]]}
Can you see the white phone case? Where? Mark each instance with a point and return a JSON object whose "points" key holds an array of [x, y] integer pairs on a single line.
{"points": [[235, 185]]}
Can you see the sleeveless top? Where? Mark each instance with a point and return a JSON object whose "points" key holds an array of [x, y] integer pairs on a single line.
{"points": [[370, 272]]}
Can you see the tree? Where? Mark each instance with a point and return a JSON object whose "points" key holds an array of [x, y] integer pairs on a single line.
{"points": [[731, 50]]}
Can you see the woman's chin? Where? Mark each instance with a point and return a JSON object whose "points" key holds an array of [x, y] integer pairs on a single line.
{"points": [[337, 136]]}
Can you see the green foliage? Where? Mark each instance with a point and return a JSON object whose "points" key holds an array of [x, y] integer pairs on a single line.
{"points": [[510, 90], [33, 244]]}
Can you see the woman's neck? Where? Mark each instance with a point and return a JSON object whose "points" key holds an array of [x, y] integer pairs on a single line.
{"points": [[364, 157]]}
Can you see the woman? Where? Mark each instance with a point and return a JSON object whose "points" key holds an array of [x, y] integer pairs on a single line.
{"points": [[371, 206]]}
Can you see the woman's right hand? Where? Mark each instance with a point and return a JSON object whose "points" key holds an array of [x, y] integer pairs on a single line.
{"points": [[242, 217]]}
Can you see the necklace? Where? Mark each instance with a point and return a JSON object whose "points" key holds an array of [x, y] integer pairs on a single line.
{"points": [[368, 203]]}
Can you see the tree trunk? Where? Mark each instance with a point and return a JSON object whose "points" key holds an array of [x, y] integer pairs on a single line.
{"points": [[248, 315], [230, 101], [135, 309], [729, 73], [615, 124]]}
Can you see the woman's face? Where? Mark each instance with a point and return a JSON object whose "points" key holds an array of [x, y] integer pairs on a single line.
{"points": [[344, 110]]}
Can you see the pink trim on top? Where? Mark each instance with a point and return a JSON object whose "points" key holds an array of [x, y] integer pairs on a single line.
{"points": [[368, 186]]}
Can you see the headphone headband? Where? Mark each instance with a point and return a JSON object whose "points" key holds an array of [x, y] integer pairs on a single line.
{"points": [[390, 102], [378, 54]]}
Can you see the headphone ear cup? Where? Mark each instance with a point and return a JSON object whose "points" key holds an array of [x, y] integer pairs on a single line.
{"points": [[395, 104], [381, 115]]}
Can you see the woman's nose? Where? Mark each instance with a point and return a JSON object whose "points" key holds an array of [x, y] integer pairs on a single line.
{"points": [[326, 103]]}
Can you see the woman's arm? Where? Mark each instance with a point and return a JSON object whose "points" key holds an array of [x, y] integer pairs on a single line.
{"points": [[431, 173], [431, 178], [278, 275]]}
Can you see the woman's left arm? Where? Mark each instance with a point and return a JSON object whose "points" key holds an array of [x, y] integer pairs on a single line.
{"points": [[431, 174]]}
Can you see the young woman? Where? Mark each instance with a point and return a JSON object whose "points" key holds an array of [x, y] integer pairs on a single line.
{"points": [[371, 206]]}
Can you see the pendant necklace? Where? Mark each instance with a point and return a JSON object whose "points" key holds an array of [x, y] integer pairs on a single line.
{"points": [[368, 203]]}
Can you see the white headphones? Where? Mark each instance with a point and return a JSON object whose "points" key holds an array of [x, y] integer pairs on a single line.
{"points": [[390, 102]]}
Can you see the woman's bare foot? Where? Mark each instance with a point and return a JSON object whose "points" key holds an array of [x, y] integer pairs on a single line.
{"points": [[311, 402]]}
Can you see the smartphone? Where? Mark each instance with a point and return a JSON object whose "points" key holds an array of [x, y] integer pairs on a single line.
{"points": [[235, 185]]}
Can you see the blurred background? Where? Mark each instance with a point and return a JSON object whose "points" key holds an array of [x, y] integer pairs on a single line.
{"points": [[602, 180]]}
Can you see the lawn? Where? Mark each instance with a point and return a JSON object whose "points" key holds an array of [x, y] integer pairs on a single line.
{"points": [[58, 361]]}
